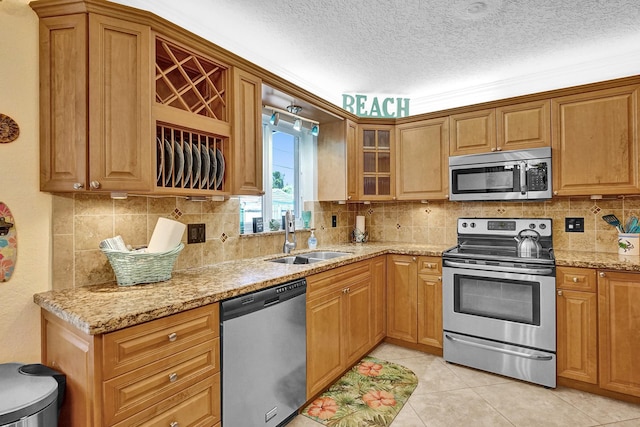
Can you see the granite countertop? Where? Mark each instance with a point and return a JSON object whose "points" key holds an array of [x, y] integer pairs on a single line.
{"points": [[601, 260], [105, 308]]}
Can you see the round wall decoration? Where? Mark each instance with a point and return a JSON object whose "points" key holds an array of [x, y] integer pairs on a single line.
{"points": [[9, 129]]}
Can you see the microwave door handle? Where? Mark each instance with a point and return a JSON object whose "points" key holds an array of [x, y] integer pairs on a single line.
{"points": [[499, 350], [523, 178], [500, 268]]}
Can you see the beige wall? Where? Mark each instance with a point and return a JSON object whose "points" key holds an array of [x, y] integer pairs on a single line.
{"points": [[19, 171]]}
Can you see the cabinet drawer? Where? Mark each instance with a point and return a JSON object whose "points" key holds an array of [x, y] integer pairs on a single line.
{"points": [[140, 345], [325, 282], [197, 406], [429, 265], [578, 279], [134, 391]]}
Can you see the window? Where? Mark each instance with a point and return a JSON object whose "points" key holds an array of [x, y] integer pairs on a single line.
{"points": [[288, 157]]}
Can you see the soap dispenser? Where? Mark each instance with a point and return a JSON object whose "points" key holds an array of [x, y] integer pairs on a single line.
{"points": [[312, 242]]}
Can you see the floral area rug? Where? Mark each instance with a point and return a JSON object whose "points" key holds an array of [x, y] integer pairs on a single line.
{"points": [[370, 394]]}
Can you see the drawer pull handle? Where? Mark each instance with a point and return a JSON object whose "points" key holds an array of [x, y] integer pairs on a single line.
{"points": [[575, 280], [173, 377], [173, 336], [174, 424]]}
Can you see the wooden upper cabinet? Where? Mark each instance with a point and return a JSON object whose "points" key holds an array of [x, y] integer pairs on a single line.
{"points": [[524, 126], [595, 142], [422, 160], [376, 162], [513, 127], [473, 132], [337, 161], [94, 104], [247, 133], [119, 103]]}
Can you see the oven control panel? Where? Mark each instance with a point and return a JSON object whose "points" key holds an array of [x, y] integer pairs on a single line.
{"points": [[504, 226]]}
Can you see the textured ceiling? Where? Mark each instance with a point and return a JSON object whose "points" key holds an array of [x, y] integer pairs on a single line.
{"points": [[439, 53]]}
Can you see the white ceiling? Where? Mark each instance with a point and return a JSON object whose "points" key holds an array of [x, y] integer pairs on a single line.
{"points": [[438, 53]]}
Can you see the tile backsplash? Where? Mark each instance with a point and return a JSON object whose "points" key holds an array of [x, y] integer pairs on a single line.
{"points": [[81, 221]]}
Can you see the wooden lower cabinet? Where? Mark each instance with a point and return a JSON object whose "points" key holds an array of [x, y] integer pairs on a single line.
{"points": [[414, 299], [161, 372], [342, 323], [577, 318], [619, 331]]}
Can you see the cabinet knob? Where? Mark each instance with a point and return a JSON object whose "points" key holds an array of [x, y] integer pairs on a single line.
{"points": [[173, 377], [603, 274], [348, 197], [560, 292], [555, 193], [174, 424], [439, 278], [345, 291], [78, 186], [575, 280], [172, 337], [493, 149], [499, 148], [95, 185], [413, 259]]}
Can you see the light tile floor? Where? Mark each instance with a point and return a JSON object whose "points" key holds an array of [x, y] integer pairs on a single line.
{"points": [[452, 395]]}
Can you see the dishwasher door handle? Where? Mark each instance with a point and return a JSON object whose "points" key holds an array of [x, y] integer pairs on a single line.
{"points": [[271, 301]]}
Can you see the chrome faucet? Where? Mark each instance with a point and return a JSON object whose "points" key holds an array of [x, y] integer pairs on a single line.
{"points": [[289, 227]]}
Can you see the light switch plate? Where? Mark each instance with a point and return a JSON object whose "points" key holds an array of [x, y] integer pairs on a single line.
{"points": [[574, 225], [196, 233]]}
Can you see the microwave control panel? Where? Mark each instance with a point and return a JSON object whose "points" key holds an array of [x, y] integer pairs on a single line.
{"points": [[537, 177]]}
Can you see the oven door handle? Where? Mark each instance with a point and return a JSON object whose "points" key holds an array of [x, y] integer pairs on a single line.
{"points": [[501, 268], [499, 350]]}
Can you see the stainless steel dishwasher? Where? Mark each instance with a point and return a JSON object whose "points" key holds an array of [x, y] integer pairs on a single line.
{"points": [[264, 356]]}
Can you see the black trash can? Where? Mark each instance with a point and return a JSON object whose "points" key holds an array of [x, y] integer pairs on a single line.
{"points": [[30, 395]]}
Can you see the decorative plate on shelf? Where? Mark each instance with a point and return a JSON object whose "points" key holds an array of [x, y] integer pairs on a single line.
{"points": [[179, 162], [168, 163], [9, 129], [206, 161], [213, 169], [220, 172], [187, 163], [159, 151], [195, 151]]}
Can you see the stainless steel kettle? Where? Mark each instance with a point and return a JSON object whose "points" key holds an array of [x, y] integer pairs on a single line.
{"points": [[528, 245]]}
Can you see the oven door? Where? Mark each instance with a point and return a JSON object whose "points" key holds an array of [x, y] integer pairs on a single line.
{"points": [[514, 306]]}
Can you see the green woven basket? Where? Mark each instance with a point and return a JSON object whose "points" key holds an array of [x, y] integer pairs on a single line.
{"points": [[133, 268]]}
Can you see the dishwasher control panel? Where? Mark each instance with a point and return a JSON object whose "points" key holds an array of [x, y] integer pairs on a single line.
{"points": [[290, 286]]}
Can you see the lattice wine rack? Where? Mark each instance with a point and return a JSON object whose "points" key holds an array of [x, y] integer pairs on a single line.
{"points": [[190, 82], [189, 160]]}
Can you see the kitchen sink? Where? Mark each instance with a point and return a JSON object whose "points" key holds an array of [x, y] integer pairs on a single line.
{"points": [[294, 260], [325, 254], [309, 257]]}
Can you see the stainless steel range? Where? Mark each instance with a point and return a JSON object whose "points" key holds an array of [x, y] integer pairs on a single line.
{"points": [[499, 304]]}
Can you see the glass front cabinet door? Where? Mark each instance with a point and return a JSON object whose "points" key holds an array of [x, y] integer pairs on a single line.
{"points": [[377, 163]]}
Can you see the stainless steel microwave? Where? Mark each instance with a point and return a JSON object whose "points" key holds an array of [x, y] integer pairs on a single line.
{"points": [[504, 175]]}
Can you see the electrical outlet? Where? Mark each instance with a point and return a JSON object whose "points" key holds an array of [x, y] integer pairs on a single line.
{"points": [[334, 221], [196, 233], [574, 225]]}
